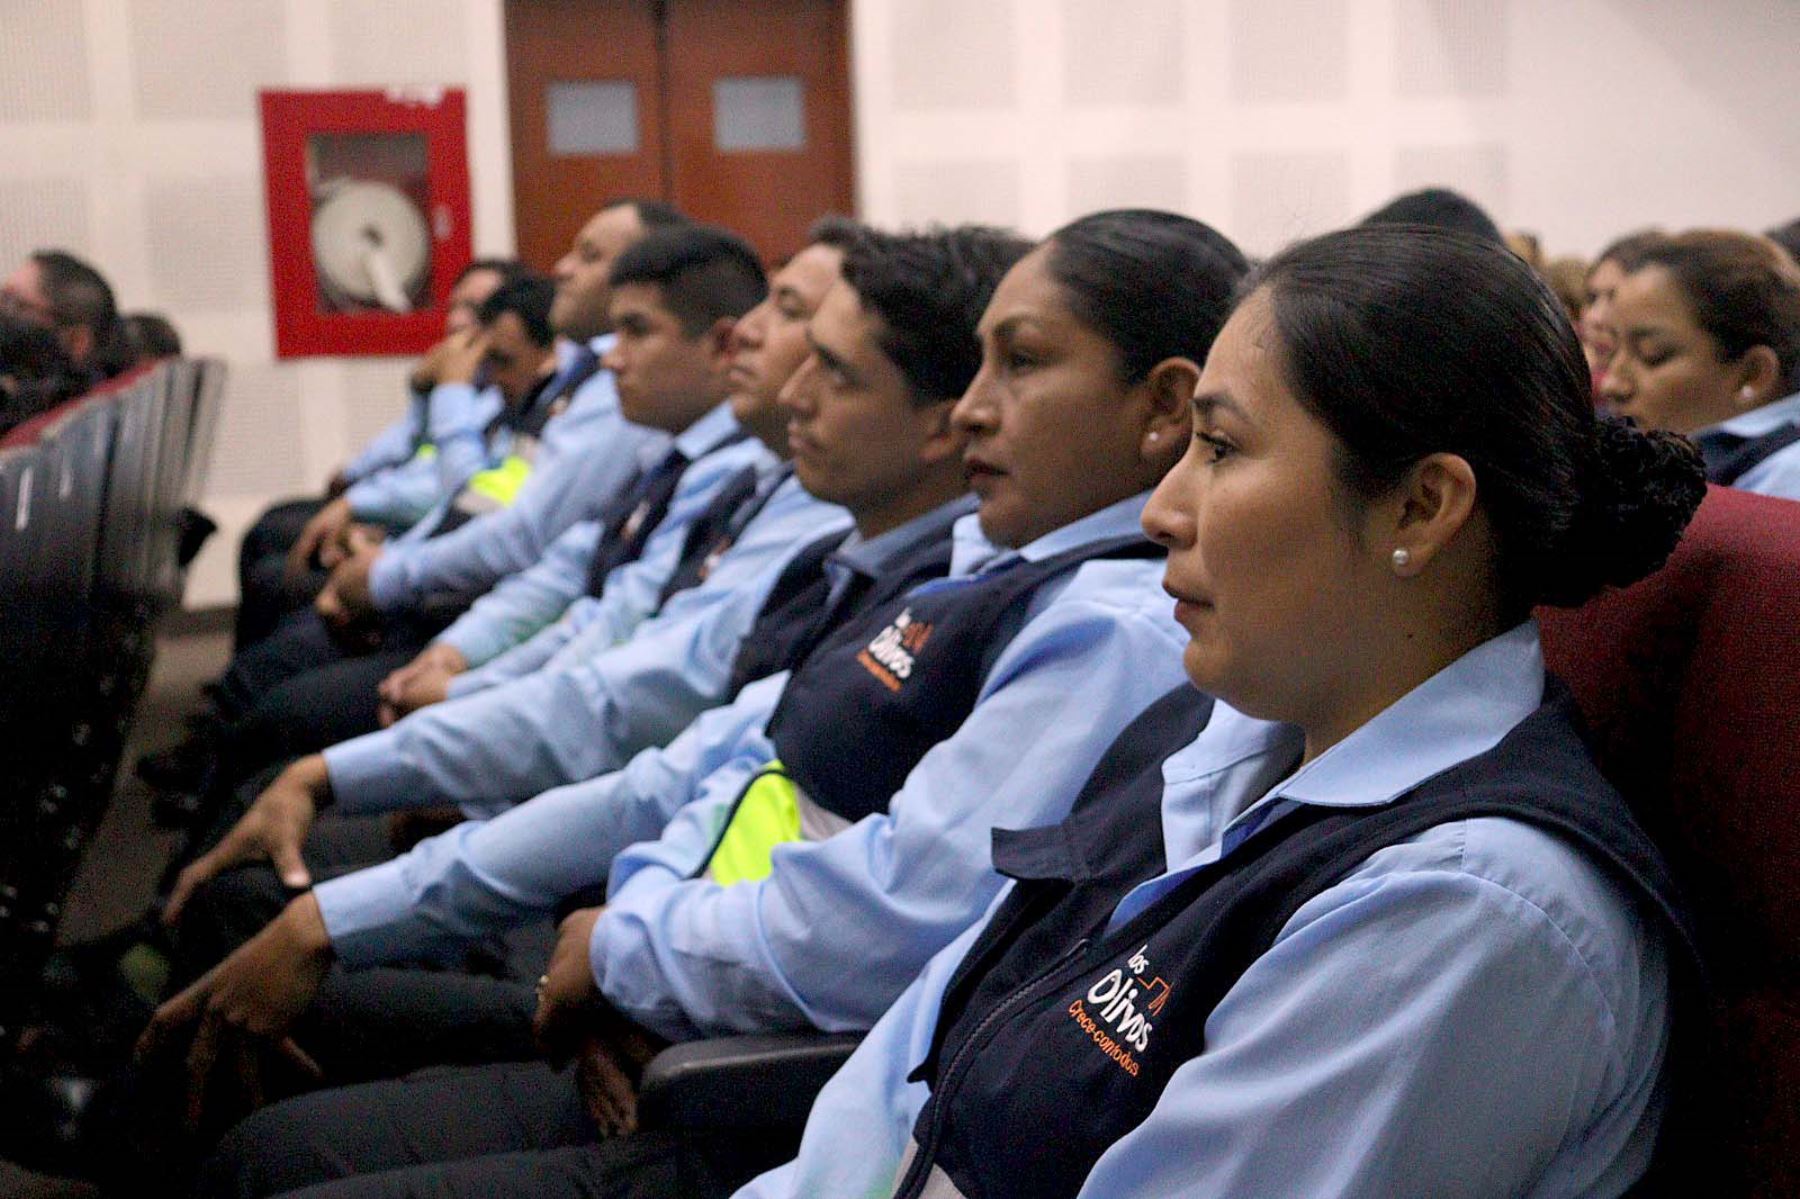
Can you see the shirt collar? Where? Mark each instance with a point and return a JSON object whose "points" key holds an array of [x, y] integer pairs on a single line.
{"points": [[971, 551], [871, 557], [706, 434], [1462, 711], [598, 346], [1754, 423]]}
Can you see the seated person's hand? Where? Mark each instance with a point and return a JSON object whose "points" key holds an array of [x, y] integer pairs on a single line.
{"points": [[323, 531], [243, 1007], [344, 603], [273, 829], [422, 682], [445, 362], [574, 1020]]}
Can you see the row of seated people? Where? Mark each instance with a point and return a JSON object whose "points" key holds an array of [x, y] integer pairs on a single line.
{"points": [[740, 682], [61, 334]]}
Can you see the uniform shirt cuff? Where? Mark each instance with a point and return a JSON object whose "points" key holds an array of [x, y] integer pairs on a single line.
{"points": [[363, 775], [361, 909], [387, 580]]}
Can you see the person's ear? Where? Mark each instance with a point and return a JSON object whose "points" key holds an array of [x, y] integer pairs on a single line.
{"points": [[78, 340], [719, 344], [1759, 378], [1168, 398], [940, 438], [1425, 512]]}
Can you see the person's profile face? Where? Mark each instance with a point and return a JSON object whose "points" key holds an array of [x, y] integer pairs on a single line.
{"points": [[1263, 559], [768, 343], [1052, 437], [857, 436], [468, 295], [662, 374], [22, 295], [513, 363], [1598, 334], [579, 310], [1666, 372]]}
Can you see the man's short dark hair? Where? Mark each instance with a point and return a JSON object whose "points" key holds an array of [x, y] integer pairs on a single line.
{"points": [[527, 297], [1787, 237], [149, 335], [77, 293], [929, 290], [651, 214], [705, 273], [838, 232], [507, 268], [1438, 207]]}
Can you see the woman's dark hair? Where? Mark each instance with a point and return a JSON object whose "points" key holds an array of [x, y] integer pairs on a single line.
{"points": [[1787, 237], [1155, 284], [1440, 208], [929, 290], [1743, 290], [1406, 342], [1625, 251]]}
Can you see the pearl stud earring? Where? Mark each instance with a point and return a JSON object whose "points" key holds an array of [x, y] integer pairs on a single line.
{"points": [[1402, 559], [1746, 393], [1155, 437]]}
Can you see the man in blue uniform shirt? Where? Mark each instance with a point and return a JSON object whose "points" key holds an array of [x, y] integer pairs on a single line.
{"points": [[842, 915]]}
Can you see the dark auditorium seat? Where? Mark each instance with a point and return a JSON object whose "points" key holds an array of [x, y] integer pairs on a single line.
{"points": [[1691, 683]]}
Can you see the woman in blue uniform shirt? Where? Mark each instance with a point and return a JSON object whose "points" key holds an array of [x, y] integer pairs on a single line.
{"points": [[1708, 330], [1328, 946]]}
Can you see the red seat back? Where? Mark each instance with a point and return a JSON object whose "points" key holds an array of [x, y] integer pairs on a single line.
{"points": [[1691, 683]]}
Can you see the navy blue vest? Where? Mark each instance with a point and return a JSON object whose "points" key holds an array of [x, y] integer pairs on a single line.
{"points": [[1730, 458], [882, 689], [1056, 1038], [796, 616], [716, 530]]}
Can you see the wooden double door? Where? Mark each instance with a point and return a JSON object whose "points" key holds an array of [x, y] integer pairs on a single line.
{"points": [[736, 111]]}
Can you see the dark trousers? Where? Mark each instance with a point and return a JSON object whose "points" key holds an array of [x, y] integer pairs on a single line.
{"points": [[264, 594], [506, 1130]]}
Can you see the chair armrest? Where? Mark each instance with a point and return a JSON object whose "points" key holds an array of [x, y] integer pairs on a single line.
{"points": [[740, 1082]]}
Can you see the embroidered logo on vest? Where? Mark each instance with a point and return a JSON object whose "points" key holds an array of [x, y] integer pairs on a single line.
{"points": [[1119, 1020], [895, 650]]}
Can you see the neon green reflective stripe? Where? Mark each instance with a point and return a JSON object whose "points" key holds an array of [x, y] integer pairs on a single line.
{"points": [[501, 484], [425, 453], [768, 815]]}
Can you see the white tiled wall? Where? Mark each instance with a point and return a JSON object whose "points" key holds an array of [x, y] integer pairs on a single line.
{"points": [[1579, 119], [128, 134]]}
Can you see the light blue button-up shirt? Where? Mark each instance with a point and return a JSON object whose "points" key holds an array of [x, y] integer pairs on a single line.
{"points": [[1476, 1011], [488, 875], [841, 925], [406, 490], [530, 601], [585, 712], [1779, 473], [586, 454]]}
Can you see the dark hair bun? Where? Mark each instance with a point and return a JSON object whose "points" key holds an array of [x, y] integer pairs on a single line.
{"points": [[1643, 491]]}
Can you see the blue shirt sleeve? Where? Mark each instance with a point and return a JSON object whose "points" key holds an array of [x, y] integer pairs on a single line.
{"points": [[527, 602], [403, 494], [687, 957], [861, 1124], [632, 591], [390, 447], [580, 717], [488, 875], [588, 453]]}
